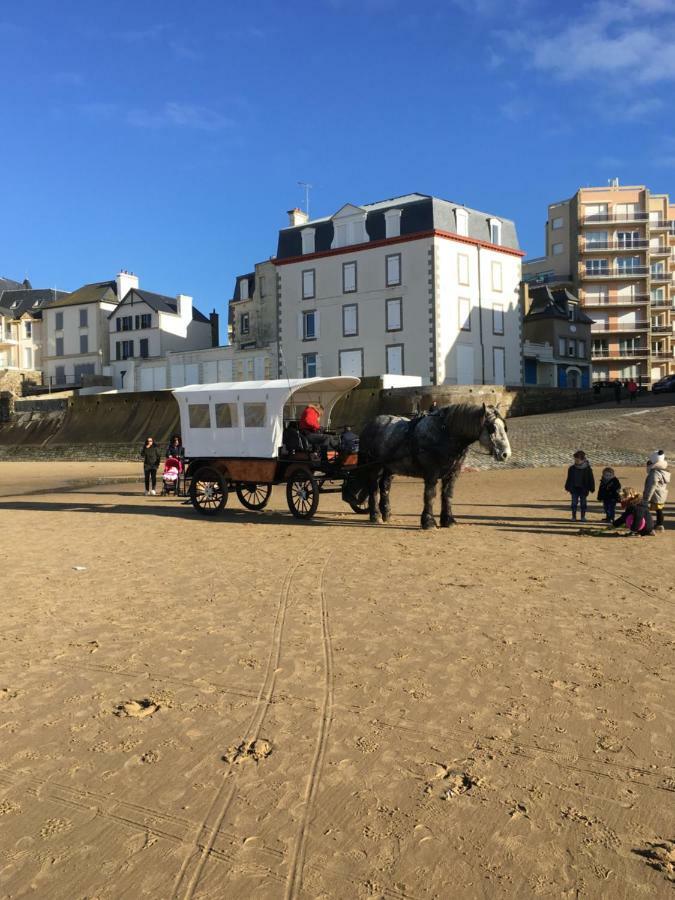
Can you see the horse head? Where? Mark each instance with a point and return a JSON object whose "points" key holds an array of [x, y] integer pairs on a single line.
{"points": [[493, 437]]}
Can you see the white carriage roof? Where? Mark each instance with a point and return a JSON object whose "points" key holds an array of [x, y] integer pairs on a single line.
{"points": [[282, 388]]}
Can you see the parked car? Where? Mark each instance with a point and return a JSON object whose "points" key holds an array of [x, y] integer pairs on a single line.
{"points": [[664, 385]]}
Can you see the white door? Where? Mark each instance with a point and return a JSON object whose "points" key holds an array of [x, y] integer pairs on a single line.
{"points": [[465, 370], [498, 356], [147, 382], [351, 363], [160, 378]]}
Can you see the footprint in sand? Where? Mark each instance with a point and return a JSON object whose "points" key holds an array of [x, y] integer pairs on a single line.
{"points": [[255, 750], [7, 807], [150, 756], [54, 826], [137, 709], [660, 857]]}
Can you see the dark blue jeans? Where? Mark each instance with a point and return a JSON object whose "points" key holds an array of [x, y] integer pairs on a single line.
{"points": [[610, 508], [579, 498]]}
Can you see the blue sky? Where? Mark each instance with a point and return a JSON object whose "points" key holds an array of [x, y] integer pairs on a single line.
{"points": [[168, 138]]}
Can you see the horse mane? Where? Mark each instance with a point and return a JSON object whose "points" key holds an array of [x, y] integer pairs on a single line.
{"points": [[464, 420]]}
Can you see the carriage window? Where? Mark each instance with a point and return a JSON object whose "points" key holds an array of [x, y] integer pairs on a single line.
{"points": [[199, 415], [254, 415], [226, 415]]}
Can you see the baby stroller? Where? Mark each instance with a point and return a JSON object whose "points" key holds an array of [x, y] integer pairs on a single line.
{"points": [[171, 475]]}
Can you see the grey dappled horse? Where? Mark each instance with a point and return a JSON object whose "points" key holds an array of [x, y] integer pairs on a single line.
{"points": [[431, 447]]}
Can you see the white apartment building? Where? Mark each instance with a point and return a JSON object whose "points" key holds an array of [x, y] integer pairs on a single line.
{"points": [[21, 325], [147, 325], [77, 340], [414, 285]]}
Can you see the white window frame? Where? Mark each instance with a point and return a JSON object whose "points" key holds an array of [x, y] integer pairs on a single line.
{"points": [[392, 223], [463, 269], [496, 271], [557, 222], [558, 249], [243, 288], [497, 318], [308, 283], [462, 221], [349, 283], [348, 307], [464, 313], [306, 364], [394, 303], [392, 265], [495, 231], [305, 319], [399, 347], [354, 350], [244, 323], [308, 240]]}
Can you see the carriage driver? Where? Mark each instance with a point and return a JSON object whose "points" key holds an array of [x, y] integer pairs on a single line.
{"points": [[310, 425]]}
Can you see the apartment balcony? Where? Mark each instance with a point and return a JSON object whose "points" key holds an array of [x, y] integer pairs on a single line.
{"points": [[546, 278], [7, 341], [634, 299], [662, 224], [661, 250], [618, 353], [601, 328], [662, 329], [662, 355], [605, 272], [613, 246], [605, 218], [661, 276]]}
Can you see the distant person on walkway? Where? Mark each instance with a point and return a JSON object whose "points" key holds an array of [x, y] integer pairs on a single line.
{"points": [[151, 459], [635, 516], [617, 390], [609, 493], [656, 485], [175, 448], [632, 388], [580, 483]]}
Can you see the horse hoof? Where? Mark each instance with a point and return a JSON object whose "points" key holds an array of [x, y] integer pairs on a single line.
{"points": [[446, 523], [385, 517], [376, 520], [428, 524]]}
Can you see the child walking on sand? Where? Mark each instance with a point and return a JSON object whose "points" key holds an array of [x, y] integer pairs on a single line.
{"points": [[635, 515], [580, 483], [656, 485], [608, 493]]}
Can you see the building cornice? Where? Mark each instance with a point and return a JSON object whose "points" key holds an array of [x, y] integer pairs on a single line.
{"points": [[390, 242]]}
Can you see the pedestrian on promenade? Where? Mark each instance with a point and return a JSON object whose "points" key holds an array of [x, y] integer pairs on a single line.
{"points": [[609, 493], [632, 387], [175, 448], [617, 390], [580, 483], [656, 485], [635, 515], [151, 459]]}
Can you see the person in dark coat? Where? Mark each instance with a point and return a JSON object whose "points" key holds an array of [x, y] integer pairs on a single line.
{"points": [[151, 460], [580, 483], [636, 515], [617, 390], [609, 492], [175, 448]]}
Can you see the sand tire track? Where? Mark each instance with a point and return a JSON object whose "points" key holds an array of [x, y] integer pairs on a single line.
{"points": [[186, 881], [294, 881]]}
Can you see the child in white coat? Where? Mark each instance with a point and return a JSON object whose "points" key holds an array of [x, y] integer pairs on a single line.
{"points": [[656, 485]]}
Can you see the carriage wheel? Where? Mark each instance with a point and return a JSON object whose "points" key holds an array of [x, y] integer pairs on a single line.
{"points": [[360, 506], [208, 493], [252, 495], [302, 494]]}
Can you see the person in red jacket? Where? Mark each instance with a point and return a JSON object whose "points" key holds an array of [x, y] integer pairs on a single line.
{"points": [[310, 420]]}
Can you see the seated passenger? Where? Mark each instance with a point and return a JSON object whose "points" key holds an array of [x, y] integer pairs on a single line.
{"points": [[349, 441], [310, 420]]}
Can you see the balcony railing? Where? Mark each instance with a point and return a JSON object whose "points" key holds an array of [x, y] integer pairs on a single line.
{"points": [[618, 353], [619, 326], [545, 278], [661, 276], [665, 303], [595, 218], [663, 355], [636, 244], [668, 224], [662, 329], [660, 250], [616, 272], [615, 300]]}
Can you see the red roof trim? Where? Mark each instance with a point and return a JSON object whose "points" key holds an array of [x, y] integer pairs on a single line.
{"points": [[388, 242]]}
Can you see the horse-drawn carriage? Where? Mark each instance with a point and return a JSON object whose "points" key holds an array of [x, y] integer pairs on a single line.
{"points": [[244, 437]]}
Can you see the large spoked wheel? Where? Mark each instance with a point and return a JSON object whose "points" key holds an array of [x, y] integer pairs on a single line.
{"points": [[360, 506], [254, 496], [208, 493], [302, 494], [356, 496]]}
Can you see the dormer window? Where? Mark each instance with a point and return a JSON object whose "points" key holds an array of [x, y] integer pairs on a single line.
{"points": [[349, 227], [308, 242], [392, 223], [495, 231], [462, 222], [571, 313], [243, 289], [36, 303], [14, 305]]}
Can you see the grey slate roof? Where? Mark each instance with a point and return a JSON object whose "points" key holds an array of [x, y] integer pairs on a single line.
{"points": [[33, 301], [553, 303], [159, 303], [8, 284], [419, 213], [250, 277], [91, 293]]}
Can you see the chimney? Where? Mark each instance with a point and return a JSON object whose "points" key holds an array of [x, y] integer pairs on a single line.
{"points": [[297, 217], [184, 307], [215, 329], [126, 281]]}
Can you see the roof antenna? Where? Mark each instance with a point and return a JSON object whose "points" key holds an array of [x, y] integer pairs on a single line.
{"points": [[308, 187]]}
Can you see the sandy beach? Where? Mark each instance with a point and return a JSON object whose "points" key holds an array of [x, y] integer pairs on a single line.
{"points": [[254, 707]]}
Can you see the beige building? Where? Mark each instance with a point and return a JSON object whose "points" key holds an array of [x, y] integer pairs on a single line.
{"points": [[615, 247], [21, 324]]}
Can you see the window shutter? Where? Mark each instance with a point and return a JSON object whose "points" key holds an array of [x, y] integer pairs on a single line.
{"points": [[318, 365], [300, 334], [317, 332], [299, 369]]}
